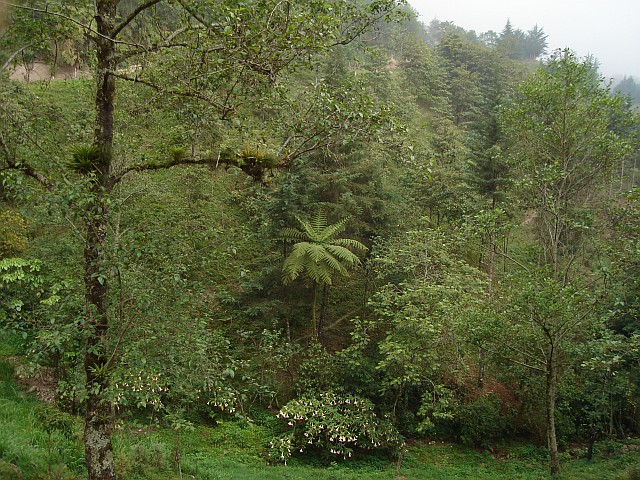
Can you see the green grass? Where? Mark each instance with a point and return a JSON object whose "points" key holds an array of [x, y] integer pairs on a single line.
{"points": [[26, 451], [232, 452], [11, 344]]}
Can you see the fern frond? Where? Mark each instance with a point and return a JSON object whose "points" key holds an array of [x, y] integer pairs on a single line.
{"points": [[335, 264], [343, 254], [291, 269], [308, 229], [291, 235], [322, 276], [319, 220], [316, 252], [329, 232], [350, 243]]}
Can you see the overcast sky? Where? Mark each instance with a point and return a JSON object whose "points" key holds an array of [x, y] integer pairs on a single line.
{"points": [[610, 31]]}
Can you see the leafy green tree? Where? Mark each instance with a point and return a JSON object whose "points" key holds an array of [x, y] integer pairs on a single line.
{"points": [[487, 170], [468, 64], [319, 255], [623, 267], [603, 386], [563, 147], [535, 322], [510, 41], [427, 288], [426, 77]]}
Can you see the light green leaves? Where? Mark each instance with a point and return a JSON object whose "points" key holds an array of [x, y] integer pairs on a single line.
{"points": [[317, 253]]}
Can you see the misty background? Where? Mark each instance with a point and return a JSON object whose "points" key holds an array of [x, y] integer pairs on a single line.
{"points": [[607, 31]]}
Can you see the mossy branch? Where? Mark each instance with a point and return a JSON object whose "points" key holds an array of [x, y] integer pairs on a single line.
{"points": [[146, 167]]}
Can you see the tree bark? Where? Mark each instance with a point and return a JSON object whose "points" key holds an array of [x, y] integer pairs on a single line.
{"points": [[592, 441], [97, 430], [552, 442], [98, 416]]}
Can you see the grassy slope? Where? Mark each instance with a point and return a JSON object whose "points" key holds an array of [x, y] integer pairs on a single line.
{"points": [[25, 451]]}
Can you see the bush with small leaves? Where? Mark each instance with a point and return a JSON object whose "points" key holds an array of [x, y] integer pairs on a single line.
{"points": [[13, 233], [334, 424]]}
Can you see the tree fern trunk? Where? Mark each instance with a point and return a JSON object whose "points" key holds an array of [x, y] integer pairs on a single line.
{"points": [[314, 308], [324, 308]]}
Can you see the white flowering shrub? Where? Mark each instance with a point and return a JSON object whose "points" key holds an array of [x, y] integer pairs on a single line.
{"points": [[334, 424]]}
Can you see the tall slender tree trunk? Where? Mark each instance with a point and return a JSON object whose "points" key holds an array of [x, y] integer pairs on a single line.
{"points": [[324, 308], [314, 310], [491, 249], [551, 388], [98, 416]]}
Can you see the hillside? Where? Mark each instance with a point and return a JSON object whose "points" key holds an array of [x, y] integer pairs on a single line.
{"points": [[378, 249]]}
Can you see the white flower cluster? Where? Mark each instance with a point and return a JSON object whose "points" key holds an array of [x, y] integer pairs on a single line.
{"points": [[335, 423]]}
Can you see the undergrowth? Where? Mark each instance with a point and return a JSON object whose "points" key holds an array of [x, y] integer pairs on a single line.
{"points": [[233, 450]]}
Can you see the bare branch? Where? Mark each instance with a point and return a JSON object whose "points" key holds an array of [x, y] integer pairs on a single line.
{"points": [[73, 20], [513, 360], [298, 152], [193, 94], [133, 15], [194, 14], [521, 265], [359, 30], [14, 54]]}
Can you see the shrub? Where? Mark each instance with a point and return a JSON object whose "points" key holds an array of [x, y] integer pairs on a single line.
{"points": [[334, 424], [143, 458], [482, 421]]}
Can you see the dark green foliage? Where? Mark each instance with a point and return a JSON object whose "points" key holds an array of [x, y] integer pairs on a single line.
{"points": [[405, 147], [483, 421], [317, 372]]}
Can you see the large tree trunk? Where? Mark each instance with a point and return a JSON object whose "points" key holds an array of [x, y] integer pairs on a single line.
{"points": [[552, 442], [98, 417]]}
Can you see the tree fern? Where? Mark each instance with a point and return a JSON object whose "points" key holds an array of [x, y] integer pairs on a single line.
{"points": [[317, 254]]}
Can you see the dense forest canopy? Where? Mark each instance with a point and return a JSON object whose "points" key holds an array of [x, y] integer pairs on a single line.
{"points": [[231, 208]]}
